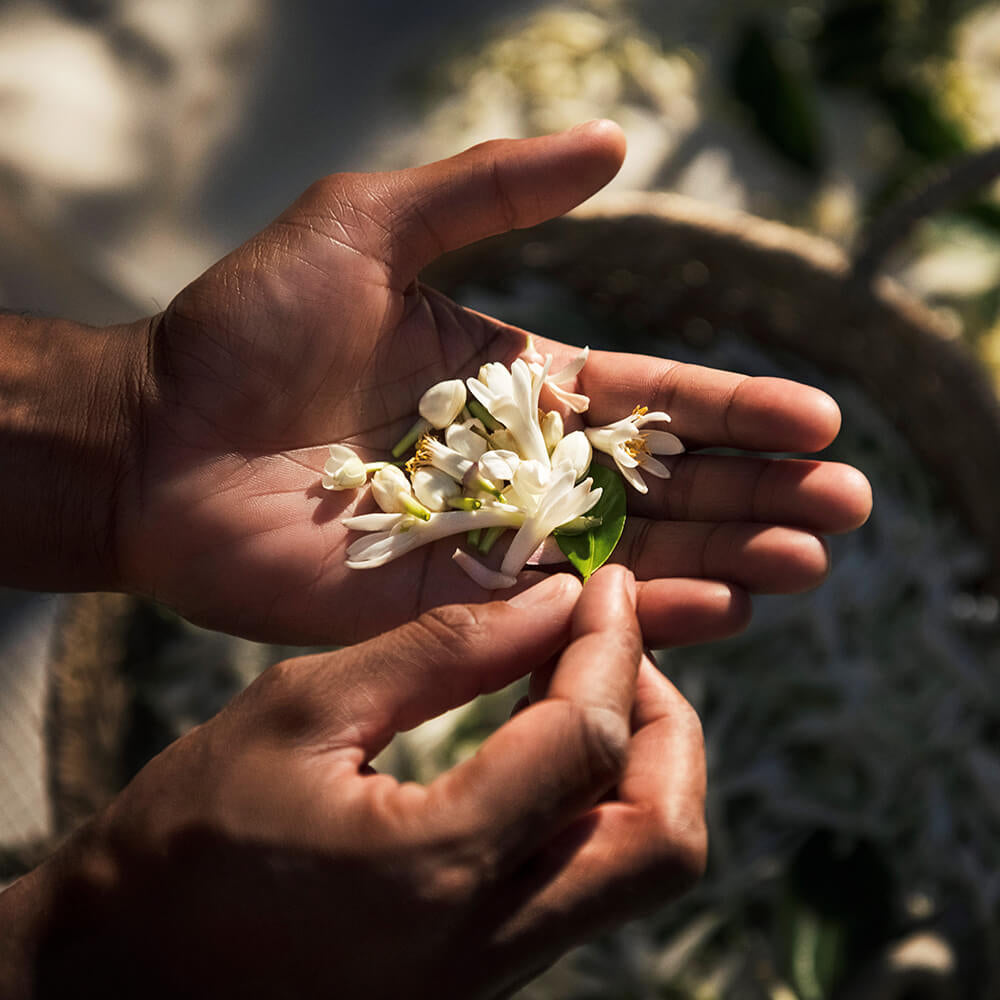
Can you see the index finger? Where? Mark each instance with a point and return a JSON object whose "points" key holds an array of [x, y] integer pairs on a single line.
{"points": [[711, 408], [556, 758]]}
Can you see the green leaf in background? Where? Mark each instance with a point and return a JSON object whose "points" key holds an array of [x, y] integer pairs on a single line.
{"points": [[779, 96], [591, 549]]}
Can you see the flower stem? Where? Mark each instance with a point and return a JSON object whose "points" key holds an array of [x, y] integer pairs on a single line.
{"points": [[410, 438], [478, 410], [490, 537]]}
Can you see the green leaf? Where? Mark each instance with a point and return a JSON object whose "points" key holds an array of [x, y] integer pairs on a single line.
{"points": [[592, 549]]}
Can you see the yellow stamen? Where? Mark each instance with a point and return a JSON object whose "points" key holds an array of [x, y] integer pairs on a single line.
{"points": [[639, 411], [422, 456], [636, 447]]}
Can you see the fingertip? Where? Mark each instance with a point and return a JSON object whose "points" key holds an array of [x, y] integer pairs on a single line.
{"points": [[778, 414], [679, 612], [858, 498], [556, 589], [808, 561], [606, 136], [826, 419]]}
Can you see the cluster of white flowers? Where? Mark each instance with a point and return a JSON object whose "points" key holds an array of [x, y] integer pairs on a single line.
{"points": [[503, 464]]}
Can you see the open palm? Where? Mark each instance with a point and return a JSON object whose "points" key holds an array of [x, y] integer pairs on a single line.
{"points": [[317, 331]]}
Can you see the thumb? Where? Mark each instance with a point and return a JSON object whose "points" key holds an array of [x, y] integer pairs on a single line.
{"points": [[421, 213], [443, 659]]}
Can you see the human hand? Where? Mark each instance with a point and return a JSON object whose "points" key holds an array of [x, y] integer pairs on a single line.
{"points": [[316, 331], [259, 856]]}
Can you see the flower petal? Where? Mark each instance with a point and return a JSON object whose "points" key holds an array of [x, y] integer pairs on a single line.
{"points": [[547, 553], [663, 443], [488, 579], [576, 401], [463, 439], [572, 369], [655, 467], [653, 417], [372, 522], [632, 475]]}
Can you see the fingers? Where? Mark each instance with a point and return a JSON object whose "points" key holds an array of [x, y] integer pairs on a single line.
{"points": [[764, 559], [558, 756], [494, 187], [679, 612], [624, 857], [443, 659], [826, 497], [709, 407]]}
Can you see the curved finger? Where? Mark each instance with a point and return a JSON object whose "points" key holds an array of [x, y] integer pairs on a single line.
{"points": [[763, 559], [711, 408], [558, 756], [627, 857], [826, 497], [361, 697]]}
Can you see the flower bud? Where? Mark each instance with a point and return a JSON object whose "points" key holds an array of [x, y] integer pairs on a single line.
{"points": [[434, 488], [441, 403], [552, 428], [391, 490], [573, 450], [503, 440], [343, 469]]}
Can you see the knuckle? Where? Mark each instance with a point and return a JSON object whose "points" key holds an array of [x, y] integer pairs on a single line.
{"points": [[332, 188], [274, 701], [456, 627]]}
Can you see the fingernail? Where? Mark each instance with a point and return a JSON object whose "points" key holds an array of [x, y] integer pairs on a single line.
{"points": [[548, 590]]}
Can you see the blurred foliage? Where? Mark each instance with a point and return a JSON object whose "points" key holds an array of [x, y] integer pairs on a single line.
{"points": [[779, 97]]}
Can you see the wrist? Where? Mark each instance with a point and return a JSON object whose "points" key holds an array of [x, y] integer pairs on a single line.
{"points": [[69, 422], [56, 936]]}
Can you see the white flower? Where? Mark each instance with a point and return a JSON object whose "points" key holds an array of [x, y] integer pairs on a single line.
{"points": [[631, 448], [432, 452], [560, 502], [391, 490], [395, 535], [488, 579], [539, 363], [512, 398], [434, 488], [499, 465], [468, 439], [343, 469], [463, 470], [575, 451], [442, 403], [552, 428]]}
